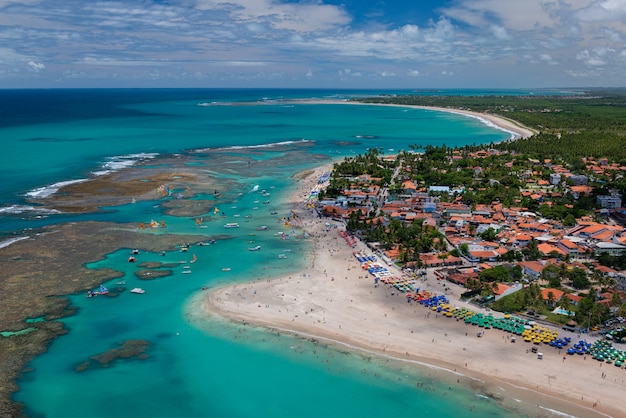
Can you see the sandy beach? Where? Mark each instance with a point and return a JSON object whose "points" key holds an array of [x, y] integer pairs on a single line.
{"points": [[336, 301]]}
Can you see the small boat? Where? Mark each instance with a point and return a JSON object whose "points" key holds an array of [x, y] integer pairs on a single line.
{"points": [[138, 290], [232, 225], [131, 259], [135, 251], [226, 269], [101, 291], [257, 248], [186, 271], [262, 228], [282, 256]]}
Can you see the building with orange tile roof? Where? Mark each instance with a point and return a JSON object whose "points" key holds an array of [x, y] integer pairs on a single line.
{"points": [[546, 249], [556, 294]]}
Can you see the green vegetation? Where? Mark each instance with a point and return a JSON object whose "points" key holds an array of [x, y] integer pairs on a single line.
{"points": [[591, 124], [344, 172], [579, 141]]}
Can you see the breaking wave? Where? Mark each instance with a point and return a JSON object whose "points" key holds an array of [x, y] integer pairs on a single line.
{"points": [[271, 145], [115, 163]]}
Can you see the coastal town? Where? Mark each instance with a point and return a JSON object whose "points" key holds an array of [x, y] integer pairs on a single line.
{"points": [[523, 235], [415, 270]]}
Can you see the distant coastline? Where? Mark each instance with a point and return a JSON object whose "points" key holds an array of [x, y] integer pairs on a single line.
{"points": [[516, 129]]}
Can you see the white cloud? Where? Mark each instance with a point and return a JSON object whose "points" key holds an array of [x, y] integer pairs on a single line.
{"points": [[36, 66], [500, 33], [407, 42], [590, 58], [116, 62], [603, 11], [441, 31], [547, 58], [549, 40], [514, 15], [301, 17], [4, 3]]}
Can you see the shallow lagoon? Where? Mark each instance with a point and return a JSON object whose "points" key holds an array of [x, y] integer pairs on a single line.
{"points": [[197, 366]]}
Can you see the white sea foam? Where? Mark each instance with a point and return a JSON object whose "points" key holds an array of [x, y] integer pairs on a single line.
{"points": [[514, 135], [120, 162], [46, 191], [112, 164], [558, 413], [204, 104], [487, 122], [17, 209], [10, 241], [271, 145]]}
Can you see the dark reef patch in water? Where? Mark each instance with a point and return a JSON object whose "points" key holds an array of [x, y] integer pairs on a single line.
{"points": [[346, 143], [127, 350]]}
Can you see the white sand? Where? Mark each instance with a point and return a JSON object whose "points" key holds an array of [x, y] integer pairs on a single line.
{"points": [[335, 300]]}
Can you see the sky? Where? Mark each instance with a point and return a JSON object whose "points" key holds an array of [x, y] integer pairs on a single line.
{"points": [[373, 44]]}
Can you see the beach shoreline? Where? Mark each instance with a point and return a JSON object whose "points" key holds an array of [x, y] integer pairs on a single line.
{"points": [[497, 121], [334, 300]]}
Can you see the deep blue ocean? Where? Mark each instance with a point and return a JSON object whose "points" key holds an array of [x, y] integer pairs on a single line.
{"points": [[199, 367]]}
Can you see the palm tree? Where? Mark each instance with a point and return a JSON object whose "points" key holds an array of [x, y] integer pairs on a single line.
{"points": [[615, 299], [565, 305]]}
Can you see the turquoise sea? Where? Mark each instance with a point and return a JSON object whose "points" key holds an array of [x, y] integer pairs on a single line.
{"points": [[199, 367]]}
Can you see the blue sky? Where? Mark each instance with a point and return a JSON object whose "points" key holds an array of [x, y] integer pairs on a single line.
{"points": [[313, 43]]}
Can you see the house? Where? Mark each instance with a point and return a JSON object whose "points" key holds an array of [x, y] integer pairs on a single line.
{"points": [[555, 293], [568, 247], [499, 289], [522, 240], [434, 260], [478, 255], [532, 269], [546, 249], [574, 299]]}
